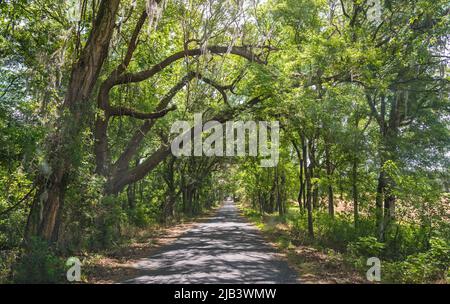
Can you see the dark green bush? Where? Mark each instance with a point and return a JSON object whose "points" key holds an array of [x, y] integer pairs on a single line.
{"points": [[39, 264], [429, 266], [365, 247]]}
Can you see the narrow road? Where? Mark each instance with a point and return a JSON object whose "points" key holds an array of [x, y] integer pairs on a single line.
{"points": [[224, 249]]}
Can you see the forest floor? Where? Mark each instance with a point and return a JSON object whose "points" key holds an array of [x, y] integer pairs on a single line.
{"points": [[222, 246]]}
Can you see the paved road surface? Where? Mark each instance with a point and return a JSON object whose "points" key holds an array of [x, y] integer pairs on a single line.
{"points": [[224, 249]]}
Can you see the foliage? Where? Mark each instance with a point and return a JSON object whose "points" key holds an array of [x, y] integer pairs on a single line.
{"points": [[366, 247], [39, 265], [429, 266]]}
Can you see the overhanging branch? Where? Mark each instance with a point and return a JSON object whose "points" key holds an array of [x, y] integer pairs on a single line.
{"points": [[119, 181], [124, 111], [244, 52]]}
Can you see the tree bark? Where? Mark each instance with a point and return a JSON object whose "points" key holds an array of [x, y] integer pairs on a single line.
{"points": [[355, 172], [379, 206], [131, 196], [355, 190], [309, 172], [301, 183], [330, 186], [314, 187], [52, 183], [385, 199]]}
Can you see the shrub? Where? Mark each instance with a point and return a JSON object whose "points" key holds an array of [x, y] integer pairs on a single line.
{"points": [[423, 267], [109, 224], [335, 233], [439, 253], [139, 217], [39, 265], [365, 247], [298, 233]]}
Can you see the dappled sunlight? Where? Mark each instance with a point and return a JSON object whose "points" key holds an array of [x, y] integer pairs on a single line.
{"points": [[225, 249]]}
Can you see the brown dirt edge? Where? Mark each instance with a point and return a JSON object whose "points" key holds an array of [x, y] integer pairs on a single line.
{"points": [[119, 265], [312, 265]]}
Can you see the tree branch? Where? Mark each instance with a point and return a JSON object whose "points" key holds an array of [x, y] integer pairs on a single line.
{"points": [[374, 110], [122, 162], [119, 181], [143, 75], [132, 45], [124, 111], [19, 202]]}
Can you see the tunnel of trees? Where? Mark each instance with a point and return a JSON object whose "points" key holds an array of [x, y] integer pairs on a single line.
{"points": [[89, 90]]}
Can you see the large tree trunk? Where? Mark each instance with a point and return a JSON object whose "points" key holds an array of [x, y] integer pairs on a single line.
{"points": [[131, 195], [315, 188], [385, 200], [283, 192], [330, 187], [169, 203], [272, 195], [309, 172], [355, 190], [390, 142], [389, 204], [309, 205], [385, 204], [388, 130], [277, 192], [280, 181], [300, 175], [379, 206], [305, 168], [62, 143], [355, 174]]}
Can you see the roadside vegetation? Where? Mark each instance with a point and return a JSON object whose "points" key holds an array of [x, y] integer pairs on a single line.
{"points": [[339, 252]]}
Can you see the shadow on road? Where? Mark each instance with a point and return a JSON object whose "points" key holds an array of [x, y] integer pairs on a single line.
{"points": [[224, 249]]}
